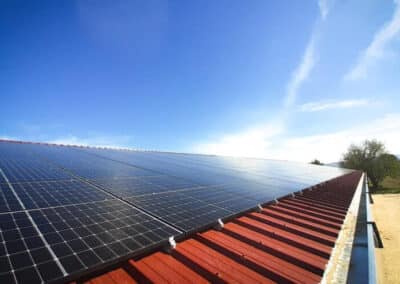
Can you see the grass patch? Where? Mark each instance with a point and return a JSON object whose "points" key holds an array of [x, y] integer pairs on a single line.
{"points": [[389, 185]]}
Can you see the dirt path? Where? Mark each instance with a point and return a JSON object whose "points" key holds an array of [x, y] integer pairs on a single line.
{"points": [[386, 210]]}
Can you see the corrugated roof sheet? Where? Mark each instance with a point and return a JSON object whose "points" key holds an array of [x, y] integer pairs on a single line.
{"points": [[286, 242]]}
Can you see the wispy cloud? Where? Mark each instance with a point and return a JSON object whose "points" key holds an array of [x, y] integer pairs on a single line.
{"points": [[323, 8], [301, 73], [378, 48], [257, 141], [328, 105]]}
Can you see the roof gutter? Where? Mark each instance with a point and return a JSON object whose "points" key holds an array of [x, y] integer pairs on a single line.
{"points": [[338, 266], [374, 239], [353, 257]]}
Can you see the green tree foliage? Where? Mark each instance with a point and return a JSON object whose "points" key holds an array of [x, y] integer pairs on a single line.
{"points": [[316, 162], [372, 158]]}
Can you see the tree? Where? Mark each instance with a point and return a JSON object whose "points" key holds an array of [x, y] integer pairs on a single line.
{"points": [[372, 158], [316, 162]]}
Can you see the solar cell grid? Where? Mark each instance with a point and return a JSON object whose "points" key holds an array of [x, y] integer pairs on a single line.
{"points": [[8, 201], [170, 183], [222, 197], [258, 192], [184, 212], [56, 193], [128, 187], [82, 226], [106, 170], [30, 170], [20, 249], [87, 165], [124, 187], [85, 235]]}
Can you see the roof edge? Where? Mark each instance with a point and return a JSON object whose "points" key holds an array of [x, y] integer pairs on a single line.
{"points": [[338, 266]]}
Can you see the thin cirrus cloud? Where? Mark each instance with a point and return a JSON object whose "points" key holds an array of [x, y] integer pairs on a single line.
{"points": [[301, 73], [378, 48], [329, 105], [257, 141], [303, 70], [324, 8]]}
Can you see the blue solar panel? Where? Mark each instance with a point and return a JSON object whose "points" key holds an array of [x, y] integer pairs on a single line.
{"points": [[42, 194], [66, 240], [30, 170], [128, 187], [69, 209]]}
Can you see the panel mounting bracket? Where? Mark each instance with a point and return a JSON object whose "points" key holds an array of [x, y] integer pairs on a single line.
{"points": [[220, 225], [171, 245], [172, 242]]}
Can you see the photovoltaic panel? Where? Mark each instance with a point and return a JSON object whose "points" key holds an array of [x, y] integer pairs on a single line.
{"points": [[24, 257], [73, 209], [211, 170], [224, 197], [86, 235], [128, 187], [169, 182], [89, 166], [8, 201], [147, 160], [42, 194], [196, 207], [184, 212], [80, 237], [30, 170], [104, 169]]}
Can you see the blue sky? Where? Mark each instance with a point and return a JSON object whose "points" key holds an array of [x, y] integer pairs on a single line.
{"points": [[291, 80]]}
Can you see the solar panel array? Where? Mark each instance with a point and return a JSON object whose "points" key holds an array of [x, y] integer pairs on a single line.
{"points": [[65, 211]]}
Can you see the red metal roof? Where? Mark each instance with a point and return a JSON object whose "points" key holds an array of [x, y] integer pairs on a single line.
{"points": [[290, 241]]}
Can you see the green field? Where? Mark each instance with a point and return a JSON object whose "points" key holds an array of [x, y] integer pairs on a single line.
{"points": [[390, 185]]}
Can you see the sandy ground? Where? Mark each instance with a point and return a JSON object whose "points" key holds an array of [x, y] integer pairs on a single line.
{"points": [[386, 211]]}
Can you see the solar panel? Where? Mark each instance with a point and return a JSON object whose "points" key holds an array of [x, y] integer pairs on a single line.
{"points": [[30, 170], [225, 197], [85, 235], [21, 247], [66, 210], [184, 212], [187, 208], [193, 208], [128, 187], [70, 239], [8, 201], [42, 194], [58, 226], [88, 166]]}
